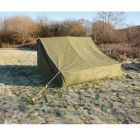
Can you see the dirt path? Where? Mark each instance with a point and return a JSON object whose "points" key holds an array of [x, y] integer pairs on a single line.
{"points": [[110, 101]]}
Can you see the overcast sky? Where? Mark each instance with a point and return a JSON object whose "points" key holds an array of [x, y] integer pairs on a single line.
{"points": [[132, 18]]}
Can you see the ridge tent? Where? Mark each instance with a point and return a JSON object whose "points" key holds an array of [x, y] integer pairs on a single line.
{"points": [[73, 60]]}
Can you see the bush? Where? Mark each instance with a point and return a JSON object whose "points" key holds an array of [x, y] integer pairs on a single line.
{"points": [[75, 28], [102, 33], [120, 51], [66, 28], [18, 30], [133, 36]]}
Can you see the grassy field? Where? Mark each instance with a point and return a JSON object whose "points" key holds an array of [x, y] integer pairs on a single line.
{"points": [[108, 101]]}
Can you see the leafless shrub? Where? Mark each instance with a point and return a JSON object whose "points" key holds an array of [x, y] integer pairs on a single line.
{"points": [[65, 28], [133, 36], [76, 29], [102, 33], [120, 51], [18, 30]]}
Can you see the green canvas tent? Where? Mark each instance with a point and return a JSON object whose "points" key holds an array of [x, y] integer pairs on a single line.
{"points": [[74, 60]]}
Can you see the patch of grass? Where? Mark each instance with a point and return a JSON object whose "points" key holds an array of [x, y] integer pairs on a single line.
{"points": [[120, 51]]}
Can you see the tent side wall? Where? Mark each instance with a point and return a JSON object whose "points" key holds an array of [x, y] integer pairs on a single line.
{"points": [[46, 67], [74, 77]]}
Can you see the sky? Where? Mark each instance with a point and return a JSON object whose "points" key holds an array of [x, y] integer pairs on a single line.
{"points": [[132, 18]]}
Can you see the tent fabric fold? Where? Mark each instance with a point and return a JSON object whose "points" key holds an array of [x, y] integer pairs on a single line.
{"points": [[77, 58]]}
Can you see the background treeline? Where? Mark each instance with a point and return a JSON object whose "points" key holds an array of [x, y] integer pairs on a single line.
{"points": [[118, 43]]}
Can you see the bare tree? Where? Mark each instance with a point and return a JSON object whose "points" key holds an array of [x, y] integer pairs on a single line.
{"points": [[87, 26], [2, 19], [115, 19], [104, 29]]}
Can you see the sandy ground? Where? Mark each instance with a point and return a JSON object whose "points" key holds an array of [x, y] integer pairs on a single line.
{"points": [[108, 101]]}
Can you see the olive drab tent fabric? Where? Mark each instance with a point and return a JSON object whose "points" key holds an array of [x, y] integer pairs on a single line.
{"points": [[76, 59]]}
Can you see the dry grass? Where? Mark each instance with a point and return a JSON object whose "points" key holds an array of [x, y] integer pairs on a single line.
{"points": [[120, 51]]}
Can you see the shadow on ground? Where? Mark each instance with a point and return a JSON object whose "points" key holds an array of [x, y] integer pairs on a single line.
{"points": [[22, 75], [131, 66], [18, 75]]}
